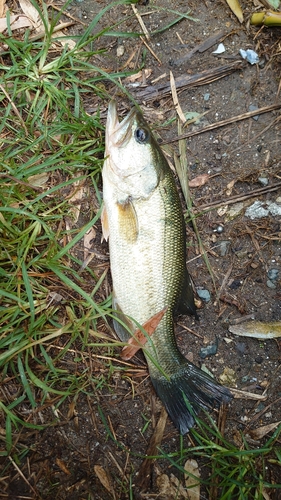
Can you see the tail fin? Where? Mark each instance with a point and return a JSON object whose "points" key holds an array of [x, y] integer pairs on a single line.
{"points": [[192, 384]]}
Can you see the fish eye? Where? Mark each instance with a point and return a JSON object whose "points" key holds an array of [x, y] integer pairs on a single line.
{"points": [[141, 135]]}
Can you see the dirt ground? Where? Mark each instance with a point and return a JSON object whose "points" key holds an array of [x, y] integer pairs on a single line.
{"points": [[74, 458]]}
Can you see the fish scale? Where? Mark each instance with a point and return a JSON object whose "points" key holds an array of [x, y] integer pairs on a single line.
{"points": [[143, 220]]}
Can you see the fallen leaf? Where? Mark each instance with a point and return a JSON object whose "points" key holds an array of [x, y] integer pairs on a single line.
{"points": [[16, 22], [32, 13], [38, 180], [170, 487], [62, 466], [175, 98], [88, 237], [228, 377], [257, 330], [198, 181], [144, 73], [103, 477], [192, 479], [139, 338], [3, 8], [64, 40], [236, 9], [77, 195], [263, 430], [230, 187]]}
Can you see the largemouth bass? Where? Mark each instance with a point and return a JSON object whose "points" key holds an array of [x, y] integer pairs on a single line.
{"points": [[143, 220]]}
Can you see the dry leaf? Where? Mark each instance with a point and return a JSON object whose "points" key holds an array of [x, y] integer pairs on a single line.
{"points": [[264, 494], [88, 237], [77, 195], [144, 73], [236, 9], [3, 8], [139, 339], [103, 477], [257, 330], [198, 181], [32, 14], [170, 487], [16, 22], [262, 431], [230, 187], [62, 466], [64, 40], [175, 98], [38, 180], [191, 466]]}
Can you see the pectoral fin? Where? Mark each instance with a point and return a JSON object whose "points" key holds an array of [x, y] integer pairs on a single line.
{"points": [[104, 224], [139, 339], [128, 221]]}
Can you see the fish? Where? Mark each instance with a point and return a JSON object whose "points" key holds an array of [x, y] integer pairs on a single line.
{"points": [[142, 219]]}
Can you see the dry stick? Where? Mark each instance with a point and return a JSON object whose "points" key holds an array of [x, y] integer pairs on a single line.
{"points": [[23, 476], [205, 77], [150, 50], [228, 273], [141, 23], [41, 34], [18, 181], [237, 198], [66, 14], [271, 124], [228, 121]]}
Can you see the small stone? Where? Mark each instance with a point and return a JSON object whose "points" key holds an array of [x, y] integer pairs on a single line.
{"points": [[259, 359], [270, 284], [210, 350], [120, 51], [252, 107], [263, 181], [273, 274], [224, 246], [204, 295]]}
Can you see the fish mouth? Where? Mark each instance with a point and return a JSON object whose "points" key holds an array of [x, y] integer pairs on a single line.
{"points": [[117, 133]]}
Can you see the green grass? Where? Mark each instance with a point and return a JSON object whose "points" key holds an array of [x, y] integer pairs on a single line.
{"points": [[53, 311]]}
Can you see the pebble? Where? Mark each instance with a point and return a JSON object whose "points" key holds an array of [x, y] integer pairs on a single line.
{"points": [[263, 181], [224, 246], [273, 274], [252, 107], [270, 284], [210, 350], [204, 295], [259, 359]]}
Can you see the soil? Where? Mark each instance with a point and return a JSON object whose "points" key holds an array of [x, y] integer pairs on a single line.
{"points": [[99, 437]]}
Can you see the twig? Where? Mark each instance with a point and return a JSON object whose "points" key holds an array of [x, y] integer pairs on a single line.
{"points": [[224, 281], [18, 181], [228, 121], [237, 198], [141, 23], [65, 13], [150, 50], [41, 34], [23, 476], [163, 89], [247, 395]]}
